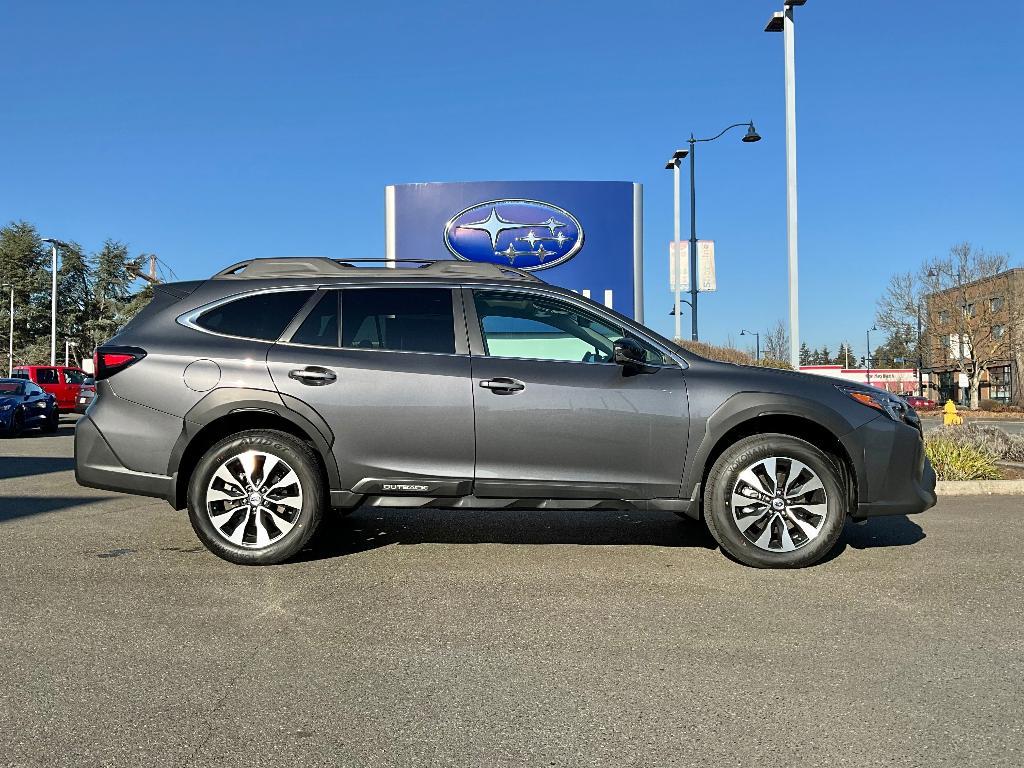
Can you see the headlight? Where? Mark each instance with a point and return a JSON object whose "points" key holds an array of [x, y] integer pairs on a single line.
{"points": [[888, 404]]}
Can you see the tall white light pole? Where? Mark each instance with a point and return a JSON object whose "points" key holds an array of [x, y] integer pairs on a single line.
{"points": [[673, 164], [10, 348], [782, 21], [53, 298]]}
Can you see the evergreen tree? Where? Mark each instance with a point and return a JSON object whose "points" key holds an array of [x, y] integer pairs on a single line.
{"points": [[112, 294], [805, 354], [24, 259], [826, 356], [74, 294]]}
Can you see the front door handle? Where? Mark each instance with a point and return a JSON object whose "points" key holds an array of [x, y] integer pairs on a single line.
{"points": [[503, 386], [313, 376]]}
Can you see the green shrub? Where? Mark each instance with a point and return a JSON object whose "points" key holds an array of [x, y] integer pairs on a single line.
{"points": [[994, 441], [955, 460]]}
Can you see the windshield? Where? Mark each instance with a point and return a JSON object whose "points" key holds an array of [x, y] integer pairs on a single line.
{"points": [[12, 388]]}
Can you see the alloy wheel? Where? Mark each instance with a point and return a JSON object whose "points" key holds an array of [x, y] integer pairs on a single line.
{"points": [[779, 504], [254, 499]]}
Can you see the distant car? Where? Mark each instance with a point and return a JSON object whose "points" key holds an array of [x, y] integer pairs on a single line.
{"points": [[24, 405], [920, 403], [86, 394], [61, 381]]}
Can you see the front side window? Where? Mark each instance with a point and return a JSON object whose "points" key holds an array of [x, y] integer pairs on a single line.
{"points": [[46, 375], [541, 328], [399, 319], [260, 316], [74, 377]]}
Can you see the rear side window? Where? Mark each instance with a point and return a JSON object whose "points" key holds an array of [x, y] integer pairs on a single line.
{"points": [[320, 328], [261, 316], [402, 319], [46, 375]]}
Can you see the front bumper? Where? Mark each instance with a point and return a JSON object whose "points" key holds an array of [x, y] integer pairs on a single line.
{"points": [[894, 476], [97, 466]]}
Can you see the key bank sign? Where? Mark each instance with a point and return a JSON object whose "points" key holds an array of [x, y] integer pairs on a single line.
{"points": [[584, 235]]}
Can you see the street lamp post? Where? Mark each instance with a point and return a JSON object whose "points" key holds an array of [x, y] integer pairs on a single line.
{"points": [[673, 165], [750, 136], [867, 357], [782, 21], [53, 297], [757, 342], [10, 347], [67, 351]]}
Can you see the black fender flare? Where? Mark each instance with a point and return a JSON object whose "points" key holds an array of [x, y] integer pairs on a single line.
{"points": [[744, 407], [231, 400]]}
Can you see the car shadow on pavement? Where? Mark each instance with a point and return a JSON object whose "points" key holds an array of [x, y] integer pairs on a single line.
{"points": [[28, 466], [17, 507], [878, 532], [368, 529]]}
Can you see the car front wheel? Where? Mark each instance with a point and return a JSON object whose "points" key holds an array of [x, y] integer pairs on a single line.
{"points": [[257, 497], [775, 501]]}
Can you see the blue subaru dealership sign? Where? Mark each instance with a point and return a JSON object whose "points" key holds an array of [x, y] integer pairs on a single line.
{"points": [[583, 235]]}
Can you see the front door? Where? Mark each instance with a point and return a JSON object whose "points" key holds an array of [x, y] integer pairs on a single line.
{"points": [[392, 381], [555, 417]]}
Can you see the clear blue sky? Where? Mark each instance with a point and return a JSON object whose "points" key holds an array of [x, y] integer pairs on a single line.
{"points": [[210, 132]]}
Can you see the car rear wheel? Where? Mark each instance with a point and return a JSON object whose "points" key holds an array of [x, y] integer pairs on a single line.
{"points": [[775, 501], [257, 497]]}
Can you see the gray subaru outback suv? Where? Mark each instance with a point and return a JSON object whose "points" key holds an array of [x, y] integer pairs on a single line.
{"points": [[282, 389]]}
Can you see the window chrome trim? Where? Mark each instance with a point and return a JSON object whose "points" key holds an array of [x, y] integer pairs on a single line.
{"points": [[188, 319], [581, 302]]}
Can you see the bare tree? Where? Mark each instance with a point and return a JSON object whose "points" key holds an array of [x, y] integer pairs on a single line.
{"points": [[776, 342]]}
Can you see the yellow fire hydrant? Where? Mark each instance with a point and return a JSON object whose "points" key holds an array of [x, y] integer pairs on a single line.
{"points": [[949, 414]]}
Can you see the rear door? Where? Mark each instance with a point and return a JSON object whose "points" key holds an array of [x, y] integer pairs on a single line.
{"points": [[555, 417], [392, 380]]}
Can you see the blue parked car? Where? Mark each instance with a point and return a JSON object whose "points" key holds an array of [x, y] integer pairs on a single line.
{"points": [[24, 405]]}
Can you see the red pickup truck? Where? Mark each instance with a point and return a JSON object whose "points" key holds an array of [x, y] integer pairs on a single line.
{"points": [[63, 382]]}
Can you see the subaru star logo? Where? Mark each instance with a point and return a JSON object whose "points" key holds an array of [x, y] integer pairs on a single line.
{"points": [[525, 234]]}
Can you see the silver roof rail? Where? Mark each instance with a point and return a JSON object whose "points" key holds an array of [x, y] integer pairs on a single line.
{"points": [[322, 266]]}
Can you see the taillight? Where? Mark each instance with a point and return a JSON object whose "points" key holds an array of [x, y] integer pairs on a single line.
{"points": [[107, 361]]}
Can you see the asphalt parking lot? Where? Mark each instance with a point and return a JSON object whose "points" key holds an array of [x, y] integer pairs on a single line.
{"points": [[493, 639]]}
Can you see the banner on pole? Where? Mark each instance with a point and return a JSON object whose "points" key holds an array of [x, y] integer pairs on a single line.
{"points": [[679, 264]]}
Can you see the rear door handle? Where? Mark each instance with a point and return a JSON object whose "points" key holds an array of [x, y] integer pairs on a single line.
{"points": [[503, 386], [313, 376]]}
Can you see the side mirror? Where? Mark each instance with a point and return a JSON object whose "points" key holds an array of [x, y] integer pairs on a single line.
{"points": [[630, 355]]}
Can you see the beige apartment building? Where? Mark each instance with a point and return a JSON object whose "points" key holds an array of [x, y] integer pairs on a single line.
{"points": [[982, 320]]}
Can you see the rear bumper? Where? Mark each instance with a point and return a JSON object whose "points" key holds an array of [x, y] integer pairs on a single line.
{"points": [[894, 476], [97, 466]]}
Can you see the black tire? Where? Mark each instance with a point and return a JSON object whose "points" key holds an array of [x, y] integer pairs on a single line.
{"points": [[52, 424], [724, 478], [297, 455]]}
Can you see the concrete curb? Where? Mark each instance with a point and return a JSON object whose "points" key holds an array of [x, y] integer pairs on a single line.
{"points": [[979, 487]]}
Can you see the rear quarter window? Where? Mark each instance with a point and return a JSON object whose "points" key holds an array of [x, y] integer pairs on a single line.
{"points": [[260, 316]]}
